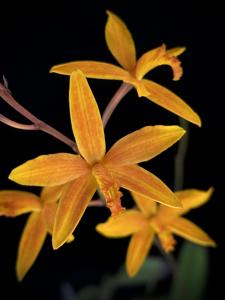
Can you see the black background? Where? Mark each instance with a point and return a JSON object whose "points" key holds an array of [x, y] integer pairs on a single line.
{"points": [[31, 43]]}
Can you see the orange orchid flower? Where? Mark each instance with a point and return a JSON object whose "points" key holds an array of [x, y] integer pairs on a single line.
{"points": [[122, 47], [93, 169], [150, 220], [38, 225]]}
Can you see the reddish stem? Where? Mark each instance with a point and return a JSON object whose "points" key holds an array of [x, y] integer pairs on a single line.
{"points": [[121, 92], [37, 123], [17, 125], [96, 203]]}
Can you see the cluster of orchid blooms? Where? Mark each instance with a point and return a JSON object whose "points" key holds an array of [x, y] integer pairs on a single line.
{"points": [[70, 181]]}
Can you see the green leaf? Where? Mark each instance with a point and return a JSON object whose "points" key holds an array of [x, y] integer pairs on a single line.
{"points": [[192, 273]]}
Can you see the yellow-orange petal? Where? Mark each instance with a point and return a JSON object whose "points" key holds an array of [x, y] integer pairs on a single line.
{"points": [[146, 205], [122, 225], [86, 119], [190, 198], [141, 181], [120, 42], [71, 208], [70, 239], [31, 242], [92, 69], [48, 215], [50, 170], [193, 198], [170, 101], [138, 85], [143, 144], [176, 51], [157, 57], [138, 249], [51, 193], [15, 203], [189, 231]]}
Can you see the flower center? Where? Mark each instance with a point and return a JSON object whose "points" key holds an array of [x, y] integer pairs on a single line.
{"points": [[165, 236], [167, 240], [109, 188]]}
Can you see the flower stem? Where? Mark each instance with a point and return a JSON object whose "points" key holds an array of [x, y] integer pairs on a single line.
{"points": [[120, 93], [37, 123], [96, 203], [180, 157], [17, 125]]}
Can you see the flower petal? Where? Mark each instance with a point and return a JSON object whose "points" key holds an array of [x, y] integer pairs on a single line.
{"points": [[138, 249], [191, 198], [120, 42], [122, 225], [176, 51], [190, 231], [86, 119], [146, 205], [31, 242], [138, 85], [71, 208], [168, 100], [101, 70], [15, 203], [143, 144], [157, 57], [48, 215], [92, 69], [51, 193], [139, 180], [70, 239], [50, 170]]}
